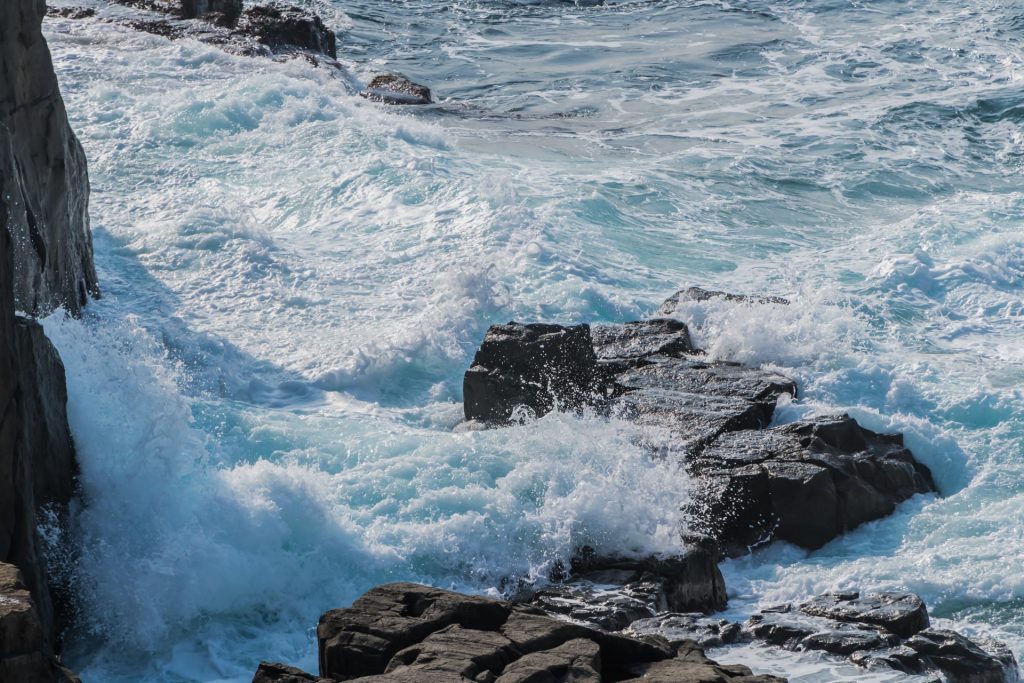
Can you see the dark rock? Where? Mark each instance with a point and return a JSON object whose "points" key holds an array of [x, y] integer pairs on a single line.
{"points": [[901, 613], [805, 482], [71, 12], [637, 340], [229, 10], [883, 629], [534, 367], [26, 655], [396, 89], [44, 184], [706, 631], [407, 632], [962, 660], [288, 27], [45, 261], [698, 294]]}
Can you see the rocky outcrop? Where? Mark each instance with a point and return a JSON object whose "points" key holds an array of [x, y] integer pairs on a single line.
{"points": [[396, 89], [45, 262], [883, 630], [269, 30], [698, 294], [45, 185], [805, 482], [26, 653], [406, 632]]}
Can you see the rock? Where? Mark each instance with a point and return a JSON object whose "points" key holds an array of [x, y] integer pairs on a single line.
{"points": [[229, 10], [26, 655], [533, 368], [45, 261], [635, 341], [883, 629], [960, 659], [396, 89], [690, 665], [71, 12], [44, 184], [408, 633], [675, 627], [901, 613], [286, 27], [697, 294], [805, 482]]}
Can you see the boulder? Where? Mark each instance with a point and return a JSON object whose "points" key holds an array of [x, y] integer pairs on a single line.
{"points": [[227, 10], [396, 89], [533, 368], [408, 633], [286, 27], [805, 482], [883, 629], [690, 665]]}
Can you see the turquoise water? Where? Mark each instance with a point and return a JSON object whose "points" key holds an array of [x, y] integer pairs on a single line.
{"points": [[266, 401]]}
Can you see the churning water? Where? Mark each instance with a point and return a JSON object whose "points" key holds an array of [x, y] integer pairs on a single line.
{"points": [[265, 401]]}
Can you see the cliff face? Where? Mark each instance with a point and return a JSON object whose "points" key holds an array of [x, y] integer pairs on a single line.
{"points": [[45, 262], [42, 171]]}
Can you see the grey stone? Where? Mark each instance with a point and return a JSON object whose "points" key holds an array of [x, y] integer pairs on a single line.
{"points": [[396, 89]]}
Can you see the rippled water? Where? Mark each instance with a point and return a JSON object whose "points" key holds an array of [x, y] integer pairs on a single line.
{"points": [[265, 400]]}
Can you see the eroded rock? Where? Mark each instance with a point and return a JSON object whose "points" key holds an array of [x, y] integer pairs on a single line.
{"points": [[699, 294], [26, 655]]}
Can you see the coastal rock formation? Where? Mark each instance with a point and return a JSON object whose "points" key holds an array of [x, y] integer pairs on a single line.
{"points": [[261, 30], [45, 184], [697, 294], [396, 89], [805, 482], [612, 593], [26, 654], [45, 262], [407, 632], [883, 630]]}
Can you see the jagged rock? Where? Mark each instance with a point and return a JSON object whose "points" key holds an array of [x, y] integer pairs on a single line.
{"points": [[612, 593], [44, 183], [883, 629], [693, 401], [396, 89], [901, 613], [45, 261], [274, 672], [698, 294], [407, 632], [286, 26], [536, 367], [805, 482], [26, 655], [71, 12], [675, 627], [634, 341]]}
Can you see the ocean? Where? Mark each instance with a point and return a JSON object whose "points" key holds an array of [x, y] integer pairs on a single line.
{"points": [[266, 401]]}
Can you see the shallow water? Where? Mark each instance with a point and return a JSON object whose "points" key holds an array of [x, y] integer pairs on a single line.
{"points": [[265, 399]]}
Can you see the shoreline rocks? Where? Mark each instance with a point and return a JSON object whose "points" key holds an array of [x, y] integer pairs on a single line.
{"points": [[396, 89]]}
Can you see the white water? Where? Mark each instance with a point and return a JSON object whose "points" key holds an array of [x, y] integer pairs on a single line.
{"points": [[265, 399]]}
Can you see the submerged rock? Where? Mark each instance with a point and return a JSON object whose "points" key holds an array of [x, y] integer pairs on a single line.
{"points": [[883, 629], [396, 89], [698, 294]]}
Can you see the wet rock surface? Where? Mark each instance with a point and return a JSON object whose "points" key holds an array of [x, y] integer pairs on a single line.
{"points": [[408, 632], [698, 294], [805, 482], [883, 630], [396, 89], [26, 654]]}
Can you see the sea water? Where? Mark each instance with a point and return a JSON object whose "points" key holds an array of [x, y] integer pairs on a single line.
{"points": [[266, 401]]}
